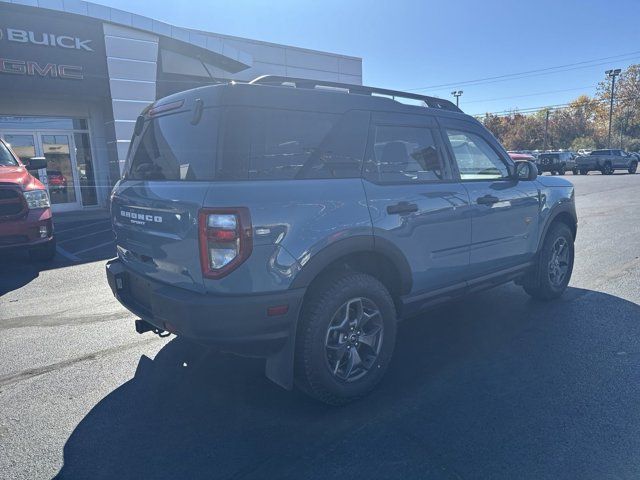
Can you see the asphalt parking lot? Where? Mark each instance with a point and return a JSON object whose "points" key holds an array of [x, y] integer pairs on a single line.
{"points": [[494, 386], [85, 240]]}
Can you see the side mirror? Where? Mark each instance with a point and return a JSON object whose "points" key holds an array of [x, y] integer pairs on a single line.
{"points": [[526, 170], [36, 163]]}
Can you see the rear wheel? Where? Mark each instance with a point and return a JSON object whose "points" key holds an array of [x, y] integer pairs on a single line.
{"points": [[633, 167], [607, 169], [551, 275], [575, 171], [562, 170], [584, 172], [345, 338]]}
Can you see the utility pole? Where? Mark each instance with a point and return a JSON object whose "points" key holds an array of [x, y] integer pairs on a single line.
{"points": [[457, 94], [546, 130], [612, 74]]}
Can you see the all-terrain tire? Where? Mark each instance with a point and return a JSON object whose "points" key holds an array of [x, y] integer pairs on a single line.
{"points": [[539, 283], [314, 373]]}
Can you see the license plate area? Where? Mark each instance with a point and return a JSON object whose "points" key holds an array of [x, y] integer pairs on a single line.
{"points": [[139, 291]]}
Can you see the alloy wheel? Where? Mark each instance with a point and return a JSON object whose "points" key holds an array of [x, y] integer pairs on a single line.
{"points": [[559, 262], [354, 339]]}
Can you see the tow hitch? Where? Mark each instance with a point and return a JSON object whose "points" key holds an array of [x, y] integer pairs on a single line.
{"points": [[143, 327]]}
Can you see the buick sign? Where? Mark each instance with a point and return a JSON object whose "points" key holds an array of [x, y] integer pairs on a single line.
{"points": [[48, 39]]}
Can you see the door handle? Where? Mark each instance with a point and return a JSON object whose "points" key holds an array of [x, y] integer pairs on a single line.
{"points": [[402, 208], [487, 200]]}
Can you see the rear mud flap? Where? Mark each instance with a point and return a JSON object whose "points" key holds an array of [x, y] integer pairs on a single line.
{"points": [[279, 366]]}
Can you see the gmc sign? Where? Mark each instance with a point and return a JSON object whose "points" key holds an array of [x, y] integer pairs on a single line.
{"points": [[28, 67]]}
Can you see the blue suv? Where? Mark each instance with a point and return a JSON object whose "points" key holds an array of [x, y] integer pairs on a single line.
{"points": [[299, 221]]}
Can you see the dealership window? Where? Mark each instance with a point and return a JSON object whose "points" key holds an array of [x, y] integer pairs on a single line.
{"points": [[42, 123], [65, 144]]}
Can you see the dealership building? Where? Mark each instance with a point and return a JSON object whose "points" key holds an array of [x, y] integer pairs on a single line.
{"points": [[74, 76]]}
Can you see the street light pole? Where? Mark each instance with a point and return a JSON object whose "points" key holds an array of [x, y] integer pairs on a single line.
{"points": [[457, 94], [612, 74]]}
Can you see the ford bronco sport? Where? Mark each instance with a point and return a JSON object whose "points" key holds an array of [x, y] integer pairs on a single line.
{"points": [[299, 221]]}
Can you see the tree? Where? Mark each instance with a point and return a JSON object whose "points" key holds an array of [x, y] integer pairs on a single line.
{"points": [[584, 123], [587, 143]]}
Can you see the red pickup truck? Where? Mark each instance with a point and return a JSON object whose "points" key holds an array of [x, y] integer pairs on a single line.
{"points": [[25, 209]]}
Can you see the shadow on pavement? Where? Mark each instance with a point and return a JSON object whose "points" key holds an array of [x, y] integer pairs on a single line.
{"points": [[17, 269], [493, 386]]}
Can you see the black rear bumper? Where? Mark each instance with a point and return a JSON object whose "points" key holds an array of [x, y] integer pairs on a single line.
{"points": [[239, 324]]}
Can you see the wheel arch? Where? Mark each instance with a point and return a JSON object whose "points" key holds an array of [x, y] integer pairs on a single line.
{"points": [[563, 213], [375, 256]]}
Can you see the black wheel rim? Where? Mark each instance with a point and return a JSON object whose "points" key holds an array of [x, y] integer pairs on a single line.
{"points": [[354, 339], [559, 262]]}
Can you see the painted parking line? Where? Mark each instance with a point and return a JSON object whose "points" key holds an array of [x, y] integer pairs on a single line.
{"points": [[85, 236], [81, 226], [67, 255], [93, 248]]}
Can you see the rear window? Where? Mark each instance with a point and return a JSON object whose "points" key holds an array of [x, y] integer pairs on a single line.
{"points": [[171, 147], [274, 144], [6, 159]]}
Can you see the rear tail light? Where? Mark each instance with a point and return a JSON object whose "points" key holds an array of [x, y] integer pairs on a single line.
{"points": [[225, 239]]}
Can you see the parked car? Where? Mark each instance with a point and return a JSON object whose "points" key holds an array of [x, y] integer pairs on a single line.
{"points": [[57, 181], [521, 157], [290, 221], [556, 162], [25, 210], [607, 162]]}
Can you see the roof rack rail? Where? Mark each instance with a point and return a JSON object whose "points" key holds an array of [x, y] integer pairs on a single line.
{"points": [[431, 102]]}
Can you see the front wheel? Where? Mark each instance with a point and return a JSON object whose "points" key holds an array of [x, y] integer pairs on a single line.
{"points": [[633, 167], [584, 172], [345, 338], [562, 170], [550, 276], [575, 171]]}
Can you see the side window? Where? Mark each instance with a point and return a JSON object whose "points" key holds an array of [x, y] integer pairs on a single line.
{"points": [[271, 144], [475, 158], [404, 154]]}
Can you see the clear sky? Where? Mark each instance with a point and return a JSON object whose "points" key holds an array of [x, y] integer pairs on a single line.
{"points": [[442, 45]]}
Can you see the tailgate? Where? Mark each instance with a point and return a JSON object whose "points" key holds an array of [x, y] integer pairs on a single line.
{"points": [[156, 228]]}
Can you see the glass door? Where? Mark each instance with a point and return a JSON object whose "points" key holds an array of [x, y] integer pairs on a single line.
{"points": [[61, 173], [66, 185]]}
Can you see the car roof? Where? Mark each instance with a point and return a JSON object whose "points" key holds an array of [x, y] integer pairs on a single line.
{"points": [[330, 100]]}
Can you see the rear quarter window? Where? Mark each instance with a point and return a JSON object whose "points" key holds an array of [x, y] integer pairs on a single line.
{"points": [[278, 144]]}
